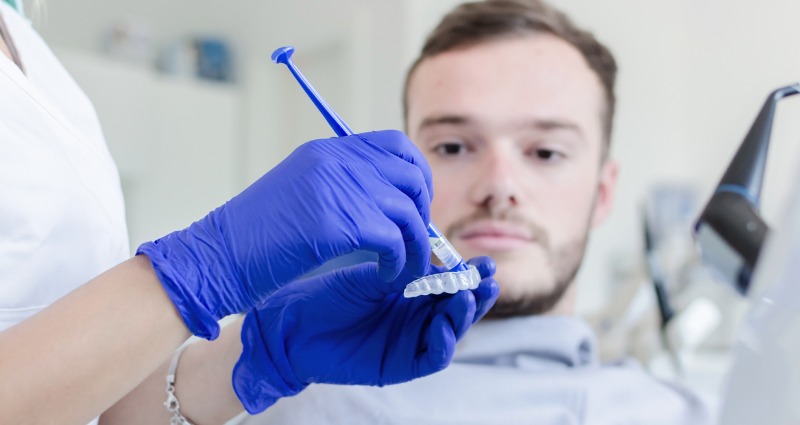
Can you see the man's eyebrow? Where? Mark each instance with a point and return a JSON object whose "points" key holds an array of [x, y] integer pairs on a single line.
{"points": [[536, 124], [444, 120], [548, 124]]}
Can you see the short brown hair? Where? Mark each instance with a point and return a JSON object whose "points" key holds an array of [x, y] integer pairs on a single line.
{"points": [[472, 23]]}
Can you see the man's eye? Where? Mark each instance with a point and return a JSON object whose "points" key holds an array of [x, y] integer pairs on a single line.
{"points": [[544, 153], [548, 154], [450, 149]]}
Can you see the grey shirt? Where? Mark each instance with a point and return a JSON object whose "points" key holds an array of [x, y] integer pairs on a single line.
{"points": [[532, 370]]}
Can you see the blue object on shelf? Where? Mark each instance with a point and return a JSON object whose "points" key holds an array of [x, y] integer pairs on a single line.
{"points": [[214, 60]]}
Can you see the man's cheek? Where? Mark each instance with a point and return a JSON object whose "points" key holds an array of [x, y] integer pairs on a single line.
{"points": [[440, 217]]}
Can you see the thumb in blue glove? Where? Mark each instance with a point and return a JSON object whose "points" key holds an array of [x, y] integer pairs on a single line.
{"points": [[347, 327], [328, 198]]}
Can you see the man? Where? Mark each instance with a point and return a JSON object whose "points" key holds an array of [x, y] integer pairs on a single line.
{"points": [[512, 105]]}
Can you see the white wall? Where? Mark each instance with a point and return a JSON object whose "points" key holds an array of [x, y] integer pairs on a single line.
{"points": [[693, 73], [175, 142]]}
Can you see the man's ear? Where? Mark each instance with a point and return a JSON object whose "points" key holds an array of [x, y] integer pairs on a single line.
{"points": [[605, 192]]}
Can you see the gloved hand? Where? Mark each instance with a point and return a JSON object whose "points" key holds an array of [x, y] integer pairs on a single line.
{"points": [[328, 198], [347, 327]]}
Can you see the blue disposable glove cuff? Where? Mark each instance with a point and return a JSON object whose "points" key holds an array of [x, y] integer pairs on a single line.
{"points": [[259, 383], [195, 315], [184, 261]]}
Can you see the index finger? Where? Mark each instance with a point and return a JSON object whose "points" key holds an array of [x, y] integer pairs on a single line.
{"points": [[398, 144]]}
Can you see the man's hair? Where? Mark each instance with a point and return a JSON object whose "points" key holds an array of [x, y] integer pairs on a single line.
{"points": [[478, 22]]}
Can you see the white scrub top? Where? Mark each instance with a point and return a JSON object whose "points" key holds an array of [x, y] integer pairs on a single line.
{"points": [[62, 217]]}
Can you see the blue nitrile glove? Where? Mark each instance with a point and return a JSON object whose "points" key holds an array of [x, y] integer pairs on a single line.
{"points": [[328, 198], [347, 327]]}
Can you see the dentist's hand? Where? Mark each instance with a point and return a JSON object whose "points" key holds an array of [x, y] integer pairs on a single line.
{"points": [[330, 197], [348, 327]]}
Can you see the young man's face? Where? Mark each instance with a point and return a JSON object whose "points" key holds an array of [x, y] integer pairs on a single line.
{"points": [[513, 130]]}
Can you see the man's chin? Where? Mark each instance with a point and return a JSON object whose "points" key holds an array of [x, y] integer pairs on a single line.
{"points": [[519, 278], [516, 302]]}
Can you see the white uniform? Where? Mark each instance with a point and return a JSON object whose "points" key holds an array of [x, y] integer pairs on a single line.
{"points": [[62, 217]]}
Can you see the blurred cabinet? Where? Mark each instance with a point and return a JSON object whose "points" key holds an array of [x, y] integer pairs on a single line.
{"points": [[176, 142]]}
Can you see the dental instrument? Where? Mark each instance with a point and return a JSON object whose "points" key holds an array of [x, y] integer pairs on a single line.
{"points": [[730, 231], [459, 276], [760, 261]]}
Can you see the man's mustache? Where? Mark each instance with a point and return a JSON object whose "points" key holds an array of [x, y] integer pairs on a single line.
{"points": [[537, 231]]}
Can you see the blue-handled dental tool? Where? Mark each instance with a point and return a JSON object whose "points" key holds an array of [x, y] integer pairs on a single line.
{"points": [[459, 275], [284, 55]]}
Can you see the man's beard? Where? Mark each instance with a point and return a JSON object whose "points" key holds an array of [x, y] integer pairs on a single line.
{"points": [[565, 261]]}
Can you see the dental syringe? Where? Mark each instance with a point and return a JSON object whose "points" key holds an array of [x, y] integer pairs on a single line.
{"points": [[459, 275]]}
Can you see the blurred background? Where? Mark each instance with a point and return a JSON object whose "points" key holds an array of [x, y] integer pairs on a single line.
{"points": [[194, 110]]}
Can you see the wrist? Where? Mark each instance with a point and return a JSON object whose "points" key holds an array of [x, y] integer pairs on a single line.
{"points": [[172, 403], [181, 280]]}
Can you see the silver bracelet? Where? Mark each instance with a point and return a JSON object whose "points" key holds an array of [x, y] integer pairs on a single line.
{"points": [[172, 404]]}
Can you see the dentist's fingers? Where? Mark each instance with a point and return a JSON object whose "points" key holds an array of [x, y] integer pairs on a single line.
{"points": [[385, 239], [415, 235], [485, 265], [398, 144], [485, 296], [440, 343], [459, 308]]}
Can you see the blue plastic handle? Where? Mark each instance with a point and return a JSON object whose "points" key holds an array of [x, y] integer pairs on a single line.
{"points": [[284, 55]]}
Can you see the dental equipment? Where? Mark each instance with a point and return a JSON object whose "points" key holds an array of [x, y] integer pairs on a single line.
{"points": [[459, 276], [657, 276], [730, 230], [762, 385]]}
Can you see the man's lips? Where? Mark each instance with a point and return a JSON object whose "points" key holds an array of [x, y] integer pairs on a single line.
{"points": [[496, 236]]}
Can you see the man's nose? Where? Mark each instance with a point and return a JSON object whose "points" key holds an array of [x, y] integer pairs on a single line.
{"points": [[497, 183]]}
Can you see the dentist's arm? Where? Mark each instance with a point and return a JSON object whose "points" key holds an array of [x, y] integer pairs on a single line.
{"points": [[202, 385], [75, 358]]}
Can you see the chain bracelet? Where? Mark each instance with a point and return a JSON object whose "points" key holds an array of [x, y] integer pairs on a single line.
{"points": [[172, 404]]}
